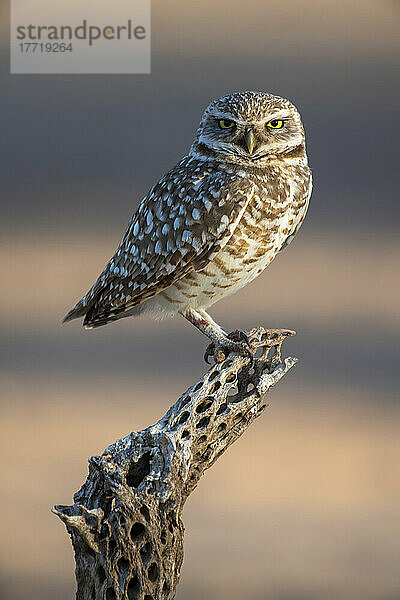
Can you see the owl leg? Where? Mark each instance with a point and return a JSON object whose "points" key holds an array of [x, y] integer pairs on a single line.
{"points": [[222, 343]]}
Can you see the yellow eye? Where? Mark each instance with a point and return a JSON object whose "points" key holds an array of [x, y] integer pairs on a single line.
{"points": [[275, 124], [225, 124]]}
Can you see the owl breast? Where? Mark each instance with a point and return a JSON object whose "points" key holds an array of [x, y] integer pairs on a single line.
{"points": [[274, 214]]}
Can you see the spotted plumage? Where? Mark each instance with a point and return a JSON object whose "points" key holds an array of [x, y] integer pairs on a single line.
{"points": [[214, 222]]}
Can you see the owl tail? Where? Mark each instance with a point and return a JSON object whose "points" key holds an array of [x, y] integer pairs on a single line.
{"points": [[79, 310]]}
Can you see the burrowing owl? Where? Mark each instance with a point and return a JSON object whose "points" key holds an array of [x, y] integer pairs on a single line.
{"points": [[214, 222]]}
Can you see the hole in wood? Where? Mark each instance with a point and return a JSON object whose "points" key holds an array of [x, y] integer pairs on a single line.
{"points": [[185, 401], [133, 590], [233, 394], [123, 566], [137, 531], [107, 505], [205, 405], [197, 386], [222, 408], [138, 470], [145, 552], [91, 521], [228, 363], [231, 377], [222, 427], [215, 386], [213, 375], [202, 439], [152, 572], [145, 512], [172, 521], [203, 423], [110, 594], [163, 537], [104, 532], [183, 418], [185, 435], [259, 352]]}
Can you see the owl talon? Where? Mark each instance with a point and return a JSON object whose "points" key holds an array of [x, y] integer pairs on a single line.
{"points": [[245, 350], [239, 336], [237, 342], [242, 342], [209, 352], [218, 353]]}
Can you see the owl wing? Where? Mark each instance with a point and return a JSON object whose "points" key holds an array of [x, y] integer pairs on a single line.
{"points": [[185, 219]]}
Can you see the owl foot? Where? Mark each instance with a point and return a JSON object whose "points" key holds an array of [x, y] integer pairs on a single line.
{"points": [[237, 342]]}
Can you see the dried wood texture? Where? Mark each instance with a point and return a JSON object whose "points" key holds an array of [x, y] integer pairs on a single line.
{"points": [[125, 524]]}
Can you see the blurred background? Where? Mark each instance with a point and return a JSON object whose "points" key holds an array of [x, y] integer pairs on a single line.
{"points": [[307, 504]]}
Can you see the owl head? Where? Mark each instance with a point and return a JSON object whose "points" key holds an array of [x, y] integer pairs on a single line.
{"points": [[250, 128]]}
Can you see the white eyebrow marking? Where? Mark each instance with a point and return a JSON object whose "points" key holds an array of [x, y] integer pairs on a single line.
{"points": [[278, 115]]}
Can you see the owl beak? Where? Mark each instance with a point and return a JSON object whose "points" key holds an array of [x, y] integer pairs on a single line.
{"points": [[250, 140]]}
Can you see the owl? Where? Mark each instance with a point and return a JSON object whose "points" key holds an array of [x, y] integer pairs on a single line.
{"points": [[213, 223]]}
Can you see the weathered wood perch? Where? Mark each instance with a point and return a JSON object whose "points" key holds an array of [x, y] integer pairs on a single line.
{"points": [[125, 525]]}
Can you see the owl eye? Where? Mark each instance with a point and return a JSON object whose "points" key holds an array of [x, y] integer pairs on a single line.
{"points": [[225, 124], [275, 124]]}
